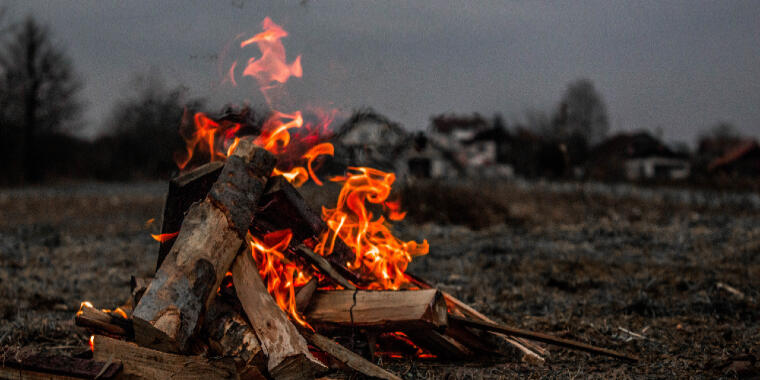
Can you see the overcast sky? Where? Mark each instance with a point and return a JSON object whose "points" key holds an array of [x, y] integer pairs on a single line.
{"points": [[676, 65]]}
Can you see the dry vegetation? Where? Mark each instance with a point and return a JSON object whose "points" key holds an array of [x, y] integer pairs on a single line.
{"points": [[644, 277]]}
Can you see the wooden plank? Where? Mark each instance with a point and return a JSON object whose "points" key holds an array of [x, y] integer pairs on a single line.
{"points": [[347, 357], [144, 363], [212, 232], [386, 310], [541, 337], [288, 356], [20, 364], [184, 190]]}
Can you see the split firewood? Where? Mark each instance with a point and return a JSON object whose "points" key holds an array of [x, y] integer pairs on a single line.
{"points": [[387, 310], [184, 190], [212, 233], [103, 323], [230, 335], [347, 357], [541, 337], [144, 363], [26, 365], [288, 356]]}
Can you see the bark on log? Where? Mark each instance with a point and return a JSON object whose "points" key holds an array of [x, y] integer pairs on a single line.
{"points": [[184, 190], [385, 310], [347, 357], [288, 356], [230, 335], [24, 365], [144, 363], [212, 232]]}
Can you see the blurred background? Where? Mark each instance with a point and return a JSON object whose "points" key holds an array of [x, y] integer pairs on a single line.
{"points": [[588, 169]]}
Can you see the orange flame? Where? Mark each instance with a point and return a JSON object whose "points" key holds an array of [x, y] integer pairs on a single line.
{"points": [[379, 254], [206, 135], [92, 343], [313, 153], [281, 275], [162, 238], [272, 65]]}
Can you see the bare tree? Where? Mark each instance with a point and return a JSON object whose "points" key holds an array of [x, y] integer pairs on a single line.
{"points": [[581, 112], [38, 94]]}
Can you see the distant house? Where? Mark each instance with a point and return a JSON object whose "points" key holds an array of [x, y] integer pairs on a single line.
{"points": [[741, 161], [368, 139], [451, 131], [419, 157], [487, 153], [635, 157]]}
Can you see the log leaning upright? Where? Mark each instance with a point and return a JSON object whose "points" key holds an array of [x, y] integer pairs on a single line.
{"points": [[212, 232]]}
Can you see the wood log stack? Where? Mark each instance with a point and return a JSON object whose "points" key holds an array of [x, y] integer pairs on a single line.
{"points": [[190, 321]]}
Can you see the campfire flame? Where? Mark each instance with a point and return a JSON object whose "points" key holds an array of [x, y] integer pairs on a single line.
{"points": [[380, 257]]}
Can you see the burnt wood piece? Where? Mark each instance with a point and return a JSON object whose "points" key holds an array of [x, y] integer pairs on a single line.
{"points": [[184, 190], [212, 232], [324, 266], [282, 206], [347, 357], [541, 337], [25, 365], [384, 310], [104, 323], [230, 335], [288, 356], [144, 363]]}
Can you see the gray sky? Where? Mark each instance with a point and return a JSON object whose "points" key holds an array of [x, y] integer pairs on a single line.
{"points": [[677, 65]]}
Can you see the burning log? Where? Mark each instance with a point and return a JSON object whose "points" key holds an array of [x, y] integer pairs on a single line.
{"points": [[212, 232], [347, 357], [325, 267], [288, 356], [184, 190], [441, 345], [386, 310], [26, 365], [303, 296], [144, 363], [282, 206]]}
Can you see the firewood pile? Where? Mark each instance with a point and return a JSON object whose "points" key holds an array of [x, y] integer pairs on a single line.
{"points": [[209, 312]]}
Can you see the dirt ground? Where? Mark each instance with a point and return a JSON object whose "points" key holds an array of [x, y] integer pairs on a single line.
{"points": [[677, 285]]}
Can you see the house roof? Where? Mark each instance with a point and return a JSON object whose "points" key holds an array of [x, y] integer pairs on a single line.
{"points": [[735, 154], [632, 145], [368, 115]]}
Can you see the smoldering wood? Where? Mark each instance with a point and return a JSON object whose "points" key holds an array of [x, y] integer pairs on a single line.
{"points": [[347, 357], [385, 310], [230, 335], [144, 363], [212, 232], [439, 344], [184, 190], [18, 364], [288, 356], [541, 337], [104, 323]]}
